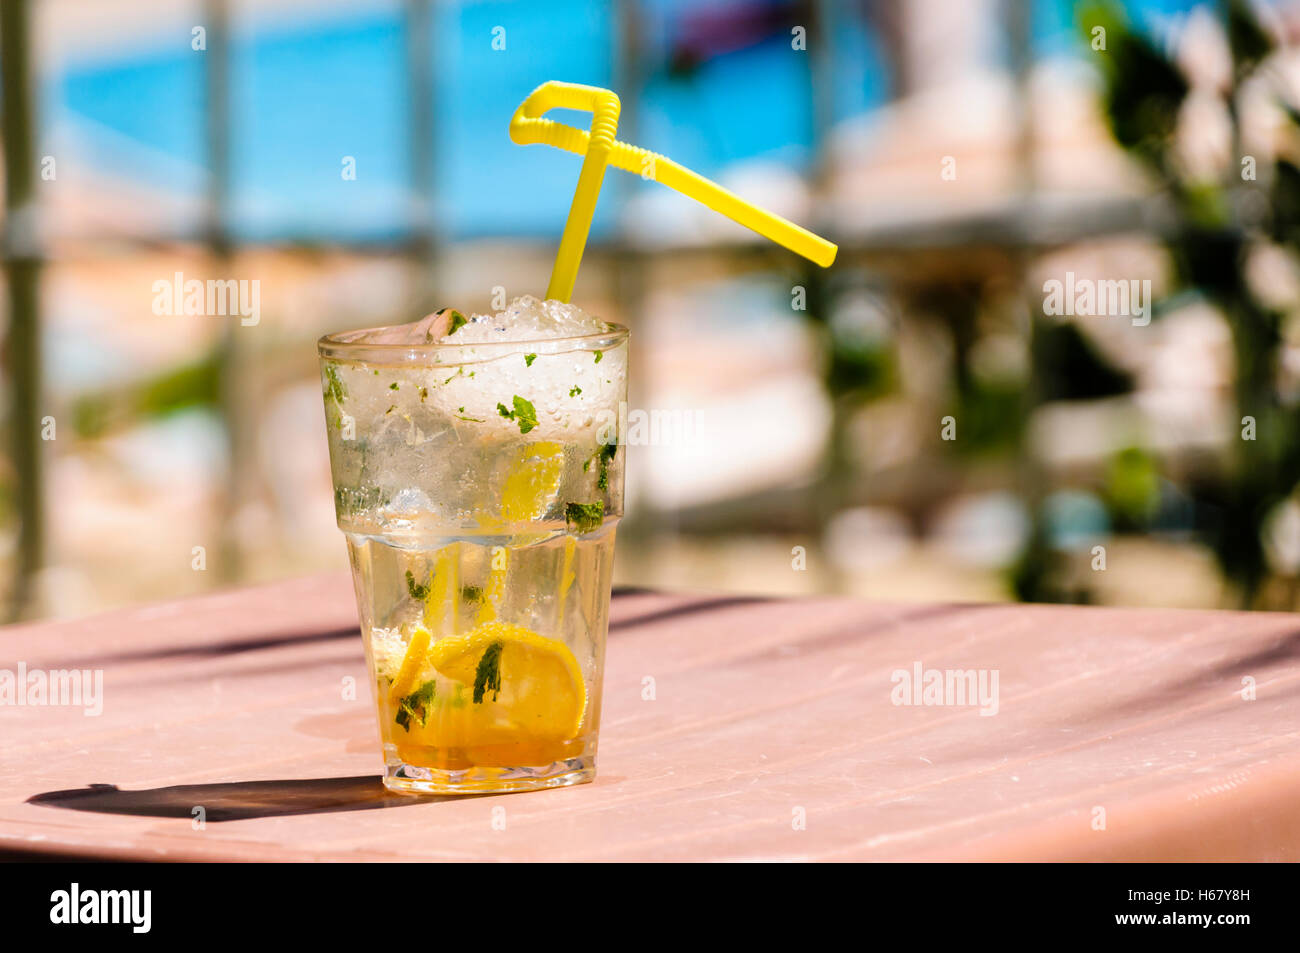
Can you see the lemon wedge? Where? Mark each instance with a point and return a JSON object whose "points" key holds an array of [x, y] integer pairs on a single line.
{"points": [[532, 481]]}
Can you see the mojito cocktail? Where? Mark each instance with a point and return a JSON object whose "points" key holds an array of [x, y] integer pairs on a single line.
{"points": [[478, 478], [479, 481]]}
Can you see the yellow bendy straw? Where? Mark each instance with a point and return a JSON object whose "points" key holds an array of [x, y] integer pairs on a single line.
{"points": [[600, 148]]}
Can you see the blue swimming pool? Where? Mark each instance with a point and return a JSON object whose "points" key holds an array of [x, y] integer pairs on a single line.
{"points": [[307, 95]]}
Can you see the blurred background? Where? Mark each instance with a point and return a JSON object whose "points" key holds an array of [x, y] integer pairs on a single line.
{"points": [[917, 422]]}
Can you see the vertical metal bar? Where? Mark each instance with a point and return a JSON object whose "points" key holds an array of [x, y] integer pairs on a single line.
{"points": [[1018, 18], [821, 68], [23, 265], [830, 492], [231, 357], [1031, 480], [420, 87], [217, 81], [627, 264]]}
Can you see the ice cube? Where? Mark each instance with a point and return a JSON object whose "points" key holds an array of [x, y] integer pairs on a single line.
{"points": [[409, 499], [428, 330], [526, 319]]}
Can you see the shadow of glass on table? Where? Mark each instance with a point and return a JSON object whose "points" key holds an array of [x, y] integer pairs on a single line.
{"points": [[235, 800]]}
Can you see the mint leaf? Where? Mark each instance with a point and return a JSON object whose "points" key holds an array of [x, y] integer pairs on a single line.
{"points": [[334, 389], [575, 390], [418, 592], [584, 516], [599, 355], [416, 705], [606, 455], [524, 414], [529, 358], [487, 678]]}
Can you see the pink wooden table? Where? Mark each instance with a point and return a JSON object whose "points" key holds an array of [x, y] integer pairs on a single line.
{"points": [[772, 733]]}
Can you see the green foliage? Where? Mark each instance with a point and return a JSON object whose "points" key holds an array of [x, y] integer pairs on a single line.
{"points": [[189, 386], [1246, 38], [1144, 90], [861, 371], [1039, 574], [1132, 488], [1209, 243], [1285, 200], [1069, 366], [990, 418]]}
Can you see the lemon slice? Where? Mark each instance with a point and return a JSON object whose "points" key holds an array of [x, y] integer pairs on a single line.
{"points": [[514, 684], [532, 481], [405, 680], [439, 613]]}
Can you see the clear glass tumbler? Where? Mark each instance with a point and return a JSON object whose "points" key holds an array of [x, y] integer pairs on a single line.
{"points": [[479, 488]]}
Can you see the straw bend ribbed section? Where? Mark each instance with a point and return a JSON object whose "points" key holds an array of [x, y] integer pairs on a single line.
{"points": [[528, 126]]}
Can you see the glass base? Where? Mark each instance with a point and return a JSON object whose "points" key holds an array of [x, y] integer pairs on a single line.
{"points": [[404, 778]]}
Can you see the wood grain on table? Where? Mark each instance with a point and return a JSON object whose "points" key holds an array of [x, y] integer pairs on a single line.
{"points": [[772, 734]]}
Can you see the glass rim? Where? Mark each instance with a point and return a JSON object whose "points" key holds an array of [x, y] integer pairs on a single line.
{"points": [[343, 346]]}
